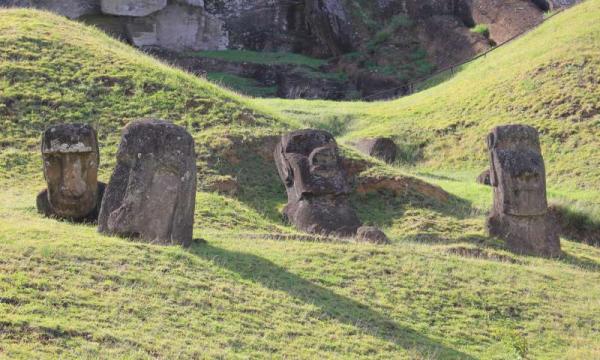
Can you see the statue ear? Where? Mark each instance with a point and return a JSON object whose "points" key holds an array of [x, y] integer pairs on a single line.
{"points": [[289, 175], [491, 142]]}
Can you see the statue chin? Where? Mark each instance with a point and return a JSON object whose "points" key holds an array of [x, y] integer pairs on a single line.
{"points": [[73, 208]]}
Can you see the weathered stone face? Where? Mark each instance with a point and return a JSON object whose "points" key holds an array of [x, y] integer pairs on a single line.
{"points": [[151, 194], [518, 171], [71, 157], [309, 164], [310, 167], [518, 176]]}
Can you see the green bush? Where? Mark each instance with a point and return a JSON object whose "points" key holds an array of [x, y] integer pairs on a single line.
{"points": [[482, 29]]}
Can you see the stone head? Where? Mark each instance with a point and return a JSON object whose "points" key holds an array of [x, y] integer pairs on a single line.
{"points": [[518, 173], [71, 158], [152, 191], [309, 164]]}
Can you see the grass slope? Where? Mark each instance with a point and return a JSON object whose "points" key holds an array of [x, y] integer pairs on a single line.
{"points": [[68, 292], [442, 290]]}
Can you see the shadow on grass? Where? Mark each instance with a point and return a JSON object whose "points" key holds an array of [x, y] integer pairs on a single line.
{"points": [[580, 262], [337, 307], [576, 225], [439, 238], [382, 209]]}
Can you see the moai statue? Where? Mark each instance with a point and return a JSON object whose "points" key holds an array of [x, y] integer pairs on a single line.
{"points": [[71, 158], [152, 192], [518, 176], [317, 189]]}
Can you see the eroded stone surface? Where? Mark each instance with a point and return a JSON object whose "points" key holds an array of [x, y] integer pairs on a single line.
{"points": [[71, 158], [381, 148], [132, 7], [310, 167], [506, 19], [151, 194], [370, 234], [518, 176], [179, 27]]}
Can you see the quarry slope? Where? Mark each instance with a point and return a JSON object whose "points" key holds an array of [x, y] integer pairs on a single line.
{"points": [[547, 79], [441, 290]]}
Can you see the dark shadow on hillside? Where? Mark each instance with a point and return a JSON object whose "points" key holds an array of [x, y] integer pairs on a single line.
{"points": [[382, 208], [440, 238], [576, 225], [334, 306], [580, 262]]}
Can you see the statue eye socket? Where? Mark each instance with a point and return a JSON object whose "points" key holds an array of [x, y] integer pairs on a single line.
{"points": [[51, 158]]}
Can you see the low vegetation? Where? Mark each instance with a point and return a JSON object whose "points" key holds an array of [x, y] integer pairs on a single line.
{"points": [[481, 29], [267, 58], [246, 289], [243, 85]]}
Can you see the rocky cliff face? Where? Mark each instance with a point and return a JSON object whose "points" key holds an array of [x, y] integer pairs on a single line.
{"points": [[377, 44]]}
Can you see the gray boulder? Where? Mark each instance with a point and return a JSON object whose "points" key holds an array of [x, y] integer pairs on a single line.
{"points": [[372, 235], [151, 194], [518, 176], [381, 148]]}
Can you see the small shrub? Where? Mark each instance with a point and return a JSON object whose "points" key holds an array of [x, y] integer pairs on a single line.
{"points": [[482, 29]]}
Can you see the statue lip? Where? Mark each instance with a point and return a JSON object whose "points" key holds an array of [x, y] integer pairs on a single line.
{"points": [[70, 200]]}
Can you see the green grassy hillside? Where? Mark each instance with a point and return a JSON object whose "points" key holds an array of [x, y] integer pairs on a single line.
{"points": [[547, 78], [442, 290]]}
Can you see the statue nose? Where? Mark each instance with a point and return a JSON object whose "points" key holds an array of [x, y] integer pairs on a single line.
{"points": [[73, 185]]}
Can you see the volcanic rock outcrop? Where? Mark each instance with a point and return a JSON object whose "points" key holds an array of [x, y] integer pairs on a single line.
{"points": [[152, 192], [375, 48], [310, 167], [132, 7], [520, 211], [71, 158]]}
